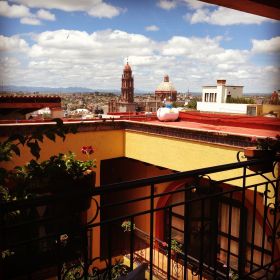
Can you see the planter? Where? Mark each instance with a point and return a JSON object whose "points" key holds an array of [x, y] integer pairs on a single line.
{"points": [[71, 208], [253, 153], [77, 192], [62, 224]]}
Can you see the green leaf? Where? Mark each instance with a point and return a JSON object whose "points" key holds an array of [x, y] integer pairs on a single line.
{"points": [[59, 122], [15, 149], [61, 134], [16, 136], [50, 135], [34, 149], [73, 129]]}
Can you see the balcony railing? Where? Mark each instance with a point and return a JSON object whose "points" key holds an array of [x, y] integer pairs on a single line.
{"points": [[223, 231]]}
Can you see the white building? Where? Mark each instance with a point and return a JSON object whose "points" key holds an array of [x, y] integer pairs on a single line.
{"points": [[215, 98], [220, 92]]}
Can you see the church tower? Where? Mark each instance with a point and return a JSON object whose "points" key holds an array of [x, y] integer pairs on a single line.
{"points": [[127, 85]]}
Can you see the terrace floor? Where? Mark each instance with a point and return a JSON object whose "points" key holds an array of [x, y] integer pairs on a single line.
{"points": [[233, 130]]}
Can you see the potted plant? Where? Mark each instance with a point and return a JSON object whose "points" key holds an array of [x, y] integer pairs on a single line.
{"points": [[42, 228], [263, 148], [176, 247], [61, 174], [127, 225]]}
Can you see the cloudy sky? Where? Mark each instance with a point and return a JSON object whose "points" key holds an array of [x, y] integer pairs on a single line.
{"points": [[85, 43]]}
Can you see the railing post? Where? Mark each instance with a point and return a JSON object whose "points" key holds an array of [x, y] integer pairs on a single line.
{"points": [[242, 230], [169, 242], [229, 237], [85, 238], [109, 251], [265, 209], [186, 232], [201, 232], [253, 228], [275, 227], [151, 229], [131, 242]]}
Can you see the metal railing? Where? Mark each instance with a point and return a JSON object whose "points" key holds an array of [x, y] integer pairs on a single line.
{"points": [[224, 231]]}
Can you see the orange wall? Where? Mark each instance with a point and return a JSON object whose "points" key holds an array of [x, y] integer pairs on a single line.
{"points": [[107, 144]]}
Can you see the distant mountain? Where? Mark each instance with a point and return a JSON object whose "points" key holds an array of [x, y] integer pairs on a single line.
{"points": [[23, 89], [53, 90]]}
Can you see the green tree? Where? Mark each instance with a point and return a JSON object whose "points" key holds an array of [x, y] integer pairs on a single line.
{"points": [[192, 104]]}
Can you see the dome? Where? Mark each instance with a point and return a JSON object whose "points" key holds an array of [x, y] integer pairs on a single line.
{"points": [[165, 85]]}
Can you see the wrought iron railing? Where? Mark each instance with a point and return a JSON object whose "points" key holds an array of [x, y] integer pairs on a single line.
{"points": [[225, 231]]}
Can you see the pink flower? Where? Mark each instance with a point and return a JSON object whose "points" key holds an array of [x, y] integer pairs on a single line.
{"points": [[87, 150], [254, 139], [164, 244]]}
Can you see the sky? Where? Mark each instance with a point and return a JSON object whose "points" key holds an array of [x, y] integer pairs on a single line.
{"points": [[85, 43]]}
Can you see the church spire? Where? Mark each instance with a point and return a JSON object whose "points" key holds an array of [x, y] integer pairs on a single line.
{"points": [[127, 84]]}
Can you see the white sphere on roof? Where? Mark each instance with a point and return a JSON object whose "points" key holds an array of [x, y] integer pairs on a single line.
{"points": [[167, 114]]}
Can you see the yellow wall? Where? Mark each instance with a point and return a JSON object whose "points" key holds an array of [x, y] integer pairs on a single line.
{"points": [[171, 153], [269, 107], [183, 155], [180, 155]]}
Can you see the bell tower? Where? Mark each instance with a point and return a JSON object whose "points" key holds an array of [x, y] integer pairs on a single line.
{"points": [[127, 85]]}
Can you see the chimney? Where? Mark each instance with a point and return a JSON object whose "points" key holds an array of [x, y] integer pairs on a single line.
{"points": [[221, 82]]}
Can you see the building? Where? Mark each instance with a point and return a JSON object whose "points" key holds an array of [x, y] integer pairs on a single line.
{"points": [[153, 173], [224, 98], [126, 103], [171, 180], [221, 92], [21, 106], [166, 90]]}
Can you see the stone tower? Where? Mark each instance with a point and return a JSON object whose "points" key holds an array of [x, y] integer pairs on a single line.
{"points": [[127, 85]]}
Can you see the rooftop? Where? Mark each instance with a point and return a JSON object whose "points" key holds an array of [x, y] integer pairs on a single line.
{"points": [[216, 124]]}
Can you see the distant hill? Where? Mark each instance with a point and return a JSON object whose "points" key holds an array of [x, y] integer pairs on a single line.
{"points": [[53, 90], [28, 89]]}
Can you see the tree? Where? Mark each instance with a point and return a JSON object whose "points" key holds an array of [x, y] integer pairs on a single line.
{"points": [[192, 104]]}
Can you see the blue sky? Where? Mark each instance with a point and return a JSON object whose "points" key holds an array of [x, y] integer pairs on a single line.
{"points": [[85, 43]]}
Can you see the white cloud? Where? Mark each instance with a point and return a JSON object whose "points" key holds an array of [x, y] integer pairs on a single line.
{"points": [[167, 4], [45, 15], [104, 10], [266, 46], [171, 4], [96, 60], [194, 4], [152, 28], [223, 16], [30, 21], [13, 43], [96, 8], [23, 12], [13, 11]]}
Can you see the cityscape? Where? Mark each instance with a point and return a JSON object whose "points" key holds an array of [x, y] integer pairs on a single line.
{"points": [[139, 140]]}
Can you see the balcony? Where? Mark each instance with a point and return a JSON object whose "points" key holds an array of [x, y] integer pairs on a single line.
{"points": [[222, 231]]}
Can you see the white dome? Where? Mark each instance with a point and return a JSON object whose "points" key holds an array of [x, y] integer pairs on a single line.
{"points": [[165, 86]]}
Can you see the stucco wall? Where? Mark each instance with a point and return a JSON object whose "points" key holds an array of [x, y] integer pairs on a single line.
{"points": [[222, 107]]}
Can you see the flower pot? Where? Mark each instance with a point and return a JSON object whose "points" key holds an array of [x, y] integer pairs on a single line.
{"points": [[253, 153], [69, 212], [77, 192]]}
